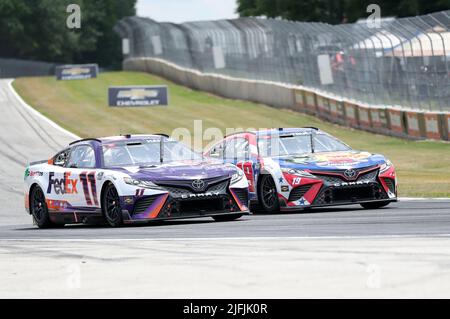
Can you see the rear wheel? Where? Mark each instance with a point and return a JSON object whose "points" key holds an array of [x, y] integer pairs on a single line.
{"points": [[39, 209], [268, 195], [375, 205], [111, 206], [227, 218]]}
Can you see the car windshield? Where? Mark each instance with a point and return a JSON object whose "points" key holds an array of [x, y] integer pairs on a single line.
{"points": [[146, 153], [300, 143]]}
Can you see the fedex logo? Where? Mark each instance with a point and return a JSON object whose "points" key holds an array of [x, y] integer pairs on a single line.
{"points": [[62, 186]]}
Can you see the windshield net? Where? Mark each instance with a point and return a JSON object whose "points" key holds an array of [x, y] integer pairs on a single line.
{"points": [[143, 153], [296, 144]]}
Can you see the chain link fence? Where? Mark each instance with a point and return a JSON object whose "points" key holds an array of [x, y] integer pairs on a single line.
{"points": [[403, 62]]}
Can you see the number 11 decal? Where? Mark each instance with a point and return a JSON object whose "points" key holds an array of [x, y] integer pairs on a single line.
{"points": [[88, 181]]}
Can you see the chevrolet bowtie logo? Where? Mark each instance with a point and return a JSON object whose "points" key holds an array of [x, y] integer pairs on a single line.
{"points": [[76, 71], [137, 94]]}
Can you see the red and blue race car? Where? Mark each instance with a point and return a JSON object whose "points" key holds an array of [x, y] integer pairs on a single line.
{"points": [[298, 168]]}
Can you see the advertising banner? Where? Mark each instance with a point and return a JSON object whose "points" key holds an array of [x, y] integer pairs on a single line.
{"points": [[76, 72], [127, 96]]}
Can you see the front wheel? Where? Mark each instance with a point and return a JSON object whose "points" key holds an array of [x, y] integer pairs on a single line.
{"points": [[39, 209], [375, 205], [227, 218], [111, 207], [268, 195]]}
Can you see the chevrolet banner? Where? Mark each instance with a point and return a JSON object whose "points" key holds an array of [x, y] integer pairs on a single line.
{"points": [[76, 72], [138, 96]]}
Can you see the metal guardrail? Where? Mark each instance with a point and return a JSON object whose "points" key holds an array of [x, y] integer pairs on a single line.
{"points": [[403, 63], [13, 68]]}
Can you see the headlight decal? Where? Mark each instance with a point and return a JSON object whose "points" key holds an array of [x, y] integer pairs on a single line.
{"points": [[237, 176], [139, 183]]}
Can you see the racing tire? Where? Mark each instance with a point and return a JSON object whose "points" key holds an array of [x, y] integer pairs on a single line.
{"points": [[111, 206], [268, 195], [227, 218], [39, 209], [375, 205]]}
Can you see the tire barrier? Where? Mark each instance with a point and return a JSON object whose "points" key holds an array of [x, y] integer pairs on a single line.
{"points": [[415, 124], [300, 104], [364, 120], [432, 126], [380, 119], [396, 122], [351, 114], [310, 102], [337, 111], [446, 126], [323, 108]]}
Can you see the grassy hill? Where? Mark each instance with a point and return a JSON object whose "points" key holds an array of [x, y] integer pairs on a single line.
{"points": [[81, 107]]}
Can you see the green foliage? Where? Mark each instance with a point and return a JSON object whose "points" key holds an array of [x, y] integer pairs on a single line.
{"points": [[36, 30], [336, 11]]}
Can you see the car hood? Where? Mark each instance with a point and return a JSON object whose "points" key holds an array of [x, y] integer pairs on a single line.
{"points": [[331, 160], [185, 170]]}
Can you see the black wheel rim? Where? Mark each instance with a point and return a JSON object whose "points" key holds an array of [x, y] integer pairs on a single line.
{"points": [[113, 209], [38, 204], [269, 193]]}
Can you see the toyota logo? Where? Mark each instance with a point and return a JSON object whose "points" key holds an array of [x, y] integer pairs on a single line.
{"points": [[350, 173], [198, 185]]}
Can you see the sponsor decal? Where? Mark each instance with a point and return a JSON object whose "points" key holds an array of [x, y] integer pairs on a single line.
{"points": [[204, 195], [29, 173], [284, 188], [138, 96], [359, 183], [62, 186], [336, 159], [76, 72]]}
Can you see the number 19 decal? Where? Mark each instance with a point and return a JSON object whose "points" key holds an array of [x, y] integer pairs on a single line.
{"points": [[88, 181]]}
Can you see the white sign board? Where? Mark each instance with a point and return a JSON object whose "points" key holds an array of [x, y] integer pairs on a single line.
{"points": [[125, 46], [326, 74]]}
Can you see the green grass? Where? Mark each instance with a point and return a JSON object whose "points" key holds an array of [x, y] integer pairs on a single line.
{"points": [[81, 107]]}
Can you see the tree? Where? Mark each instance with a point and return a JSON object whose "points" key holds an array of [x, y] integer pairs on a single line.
{"points": [[336, 11], [36, 30]]}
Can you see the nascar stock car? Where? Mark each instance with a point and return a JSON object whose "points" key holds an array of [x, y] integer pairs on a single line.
{"points": [[130, 179], [298, 168]]}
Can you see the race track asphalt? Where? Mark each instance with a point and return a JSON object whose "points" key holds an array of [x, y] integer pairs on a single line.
{"points": [[398, 251], [409, 218]]}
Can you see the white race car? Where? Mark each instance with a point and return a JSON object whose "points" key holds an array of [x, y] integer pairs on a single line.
{"points": [[130, 179]]}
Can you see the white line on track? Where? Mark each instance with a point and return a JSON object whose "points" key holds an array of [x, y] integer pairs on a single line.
{"points": [[414, 199], [224, 238], [31, 109]]}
